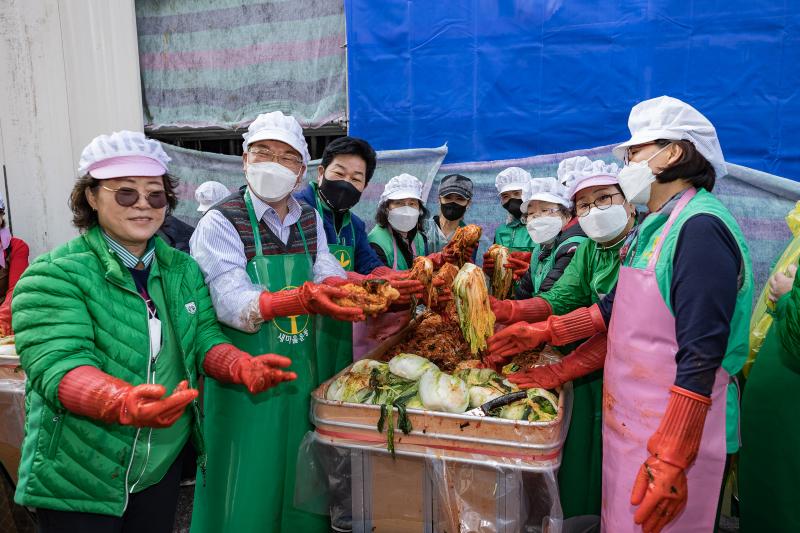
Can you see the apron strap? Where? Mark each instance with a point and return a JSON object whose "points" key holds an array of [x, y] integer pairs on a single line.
{"points": [[687, 195], [394, 250], [305, 244], [251, 213]]}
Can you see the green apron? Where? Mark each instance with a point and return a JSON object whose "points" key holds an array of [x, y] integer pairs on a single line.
{"points": [[540, 269], [769, 462], [252, 440], [334, 337]]}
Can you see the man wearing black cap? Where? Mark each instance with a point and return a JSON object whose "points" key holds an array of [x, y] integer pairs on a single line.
{"points": [[455, 196]]}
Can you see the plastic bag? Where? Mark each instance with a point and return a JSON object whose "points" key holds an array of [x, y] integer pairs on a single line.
{"points": [[344, 470], [363, 487], [761, 320]]}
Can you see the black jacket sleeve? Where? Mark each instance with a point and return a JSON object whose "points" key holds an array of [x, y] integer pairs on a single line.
{"points": [[524, 288], [379, 253], [707, 270], [563, 257]]}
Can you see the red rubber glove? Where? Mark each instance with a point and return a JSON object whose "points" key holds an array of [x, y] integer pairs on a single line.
{"points": [[5, 316], [408, 288], [229, 364], [308, 299], [511, 311], [450, 256], [90, 392], [443, 293], [557, 331], [335, 281], [660, 489], [588, 357], [519, 263], [437, 258]]}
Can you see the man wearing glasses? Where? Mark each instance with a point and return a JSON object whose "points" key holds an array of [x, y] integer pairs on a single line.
{"points": [[259, 250]]}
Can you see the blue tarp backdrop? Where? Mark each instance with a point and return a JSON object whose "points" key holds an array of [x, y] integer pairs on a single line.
{"points": [[499, 79]]}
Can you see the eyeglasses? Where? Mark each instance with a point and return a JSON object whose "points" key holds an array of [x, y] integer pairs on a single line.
{"points": [[626, 157], [602, 203], [543, 213], [127, 197], [262, 155]]}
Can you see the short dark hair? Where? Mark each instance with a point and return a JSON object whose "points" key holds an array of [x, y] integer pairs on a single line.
{"points": [[350, 146], [692, 167], [382, 215], [84, 217]]}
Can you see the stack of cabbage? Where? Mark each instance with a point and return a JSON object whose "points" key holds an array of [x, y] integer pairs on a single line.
{"points": [[409, 381]]}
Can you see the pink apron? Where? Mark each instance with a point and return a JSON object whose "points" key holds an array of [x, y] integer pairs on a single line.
{"points": [[369, 334], [639, 370]]}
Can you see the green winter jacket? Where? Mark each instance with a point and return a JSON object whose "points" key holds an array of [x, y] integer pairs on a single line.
{"points": [[78, 305], [590, 275]]}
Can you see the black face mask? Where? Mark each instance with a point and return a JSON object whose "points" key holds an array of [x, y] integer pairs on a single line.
{"points": [[452, 211], [340, 195], [514, 206]]}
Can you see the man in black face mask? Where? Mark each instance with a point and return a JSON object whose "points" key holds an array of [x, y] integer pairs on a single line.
{"points": [[346, 167], [513, 234], [345, 170], [455, 196]]}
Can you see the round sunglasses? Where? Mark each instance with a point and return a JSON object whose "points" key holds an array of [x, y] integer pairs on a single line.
{"points": [[127, 197]]}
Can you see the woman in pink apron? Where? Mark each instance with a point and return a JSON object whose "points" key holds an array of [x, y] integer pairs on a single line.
{"points": [[678, 331]]}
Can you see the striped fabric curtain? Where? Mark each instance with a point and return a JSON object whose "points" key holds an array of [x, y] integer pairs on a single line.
{"points": [[218, 64]]}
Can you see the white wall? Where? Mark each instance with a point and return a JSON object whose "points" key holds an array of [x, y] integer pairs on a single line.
{"points": [[70, 71]]}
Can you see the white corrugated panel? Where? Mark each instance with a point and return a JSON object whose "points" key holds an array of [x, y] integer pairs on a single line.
{"points": [[70, 72]]}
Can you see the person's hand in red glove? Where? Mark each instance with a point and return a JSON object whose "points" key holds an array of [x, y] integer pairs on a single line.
{"points": [[586, 358], [510, 311], [519, 263], [90, 392], [227, 363], [408, 288], [556, 330], [443, 293], [310, 298], [660, 490], [449, 254]]}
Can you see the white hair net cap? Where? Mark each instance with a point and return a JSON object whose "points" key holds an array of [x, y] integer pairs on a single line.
{"points": [[402, 187], [208, 193], [133, 155], [545, 190], [511, 179], [671, 119], [576, 173], [276, 126]]}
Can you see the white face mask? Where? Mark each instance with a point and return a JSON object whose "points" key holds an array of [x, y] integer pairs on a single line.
{"points": [[272, 182], [603, 225], [404, 218], [544, 229], [635, 179]]}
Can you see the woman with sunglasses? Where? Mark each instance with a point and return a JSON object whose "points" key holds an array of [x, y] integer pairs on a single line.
{"points": [[606, 218], [113, 329], [679, 316]]}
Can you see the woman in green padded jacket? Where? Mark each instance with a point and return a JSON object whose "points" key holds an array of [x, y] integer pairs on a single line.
{"points": [[113, 329]]}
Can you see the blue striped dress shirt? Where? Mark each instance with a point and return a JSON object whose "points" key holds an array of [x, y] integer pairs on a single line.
{"points": [[218, 249]]}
